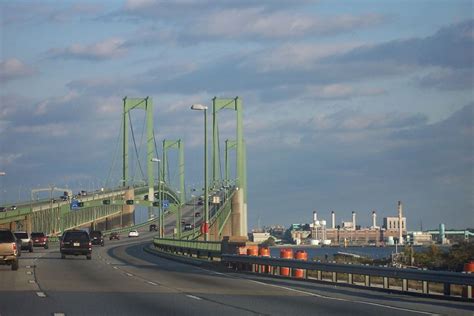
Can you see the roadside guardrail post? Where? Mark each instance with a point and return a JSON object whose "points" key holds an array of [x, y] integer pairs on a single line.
{"points": [[404, 285], [350, 278], [367, 280], [425, 287], [320, 275], [447, 289], [469, 291], [334, 277], [385, 283]]}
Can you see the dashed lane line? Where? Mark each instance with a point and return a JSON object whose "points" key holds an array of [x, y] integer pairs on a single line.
{"points": [[41, 294], [194, 297]]}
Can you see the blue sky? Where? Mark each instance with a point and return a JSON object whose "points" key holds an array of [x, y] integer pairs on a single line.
{"points": [[349, 105]]}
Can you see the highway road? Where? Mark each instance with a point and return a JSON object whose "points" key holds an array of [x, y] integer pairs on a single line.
{"points": [[122, 279]]}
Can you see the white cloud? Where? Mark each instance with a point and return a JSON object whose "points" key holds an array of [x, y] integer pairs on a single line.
{"points": [[341, 91], [298, 55], [251, 22], [107, 49], [53, 129], [13, 68], [6, 159], [43, 106]]}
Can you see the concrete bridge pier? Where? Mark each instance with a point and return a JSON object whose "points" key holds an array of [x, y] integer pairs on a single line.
{"points": [[237, 216], [128, 210]]}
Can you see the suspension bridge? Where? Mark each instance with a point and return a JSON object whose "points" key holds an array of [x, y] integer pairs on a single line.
{"points": [[219, 210]]}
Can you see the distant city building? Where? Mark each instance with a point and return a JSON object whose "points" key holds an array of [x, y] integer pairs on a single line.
{"points": [[420, 238], [392, 222], [259, 237]]}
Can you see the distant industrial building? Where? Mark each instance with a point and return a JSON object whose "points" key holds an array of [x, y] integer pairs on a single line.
{"points": [[349, 233]]}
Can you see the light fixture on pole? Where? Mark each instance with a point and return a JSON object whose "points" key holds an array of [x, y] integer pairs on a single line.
{"points": [[205, 225]]}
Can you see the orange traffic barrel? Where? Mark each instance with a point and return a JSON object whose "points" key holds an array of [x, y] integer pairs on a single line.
{"points": [[285, 254], [469, 267], [300, 255], [252, 251], [264, 252]]}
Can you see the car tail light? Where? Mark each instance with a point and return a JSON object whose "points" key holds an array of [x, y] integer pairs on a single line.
{"points": [[14, 246], [61, 244], [90, 244]]}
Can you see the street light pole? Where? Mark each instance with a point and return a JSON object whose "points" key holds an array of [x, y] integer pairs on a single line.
{"points": [[160, 209], [201, 107]]}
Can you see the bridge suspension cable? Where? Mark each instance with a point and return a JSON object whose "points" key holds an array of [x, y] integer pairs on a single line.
{"points": [[135, 147], [117, 148]]}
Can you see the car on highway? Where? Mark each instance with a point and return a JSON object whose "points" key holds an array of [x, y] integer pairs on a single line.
{"points": [[114, 235], [39, 240], [3, 209], [26, 242], [153, 228], [197, 214], [75, 242], [97, 238], [133, 233], [13, 207], [188, 226], [9, 251]]}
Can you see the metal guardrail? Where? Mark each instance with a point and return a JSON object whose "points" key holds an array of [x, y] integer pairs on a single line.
{"points": [[189, 247], [409, 274], [425, 276]]}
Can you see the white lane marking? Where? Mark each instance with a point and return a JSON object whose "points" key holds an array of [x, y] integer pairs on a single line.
{"points": [[31, 281], [59, 314], [343, 299], [116, 268], [28, 267], [194, 297], [152, 283], [129, 274], [28, 272], [41, 294]]}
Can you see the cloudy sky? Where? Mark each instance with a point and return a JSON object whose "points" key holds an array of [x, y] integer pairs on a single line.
{"points": [[348, 105]]}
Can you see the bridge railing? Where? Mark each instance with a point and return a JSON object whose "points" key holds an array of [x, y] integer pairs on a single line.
{"points": [[347, 273], [210, 249], [217, 216], [394, 279]]}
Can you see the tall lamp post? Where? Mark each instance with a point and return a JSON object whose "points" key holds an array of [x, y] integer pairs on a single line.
{"points": [[2, 173], [160, 209], [205, 227]]}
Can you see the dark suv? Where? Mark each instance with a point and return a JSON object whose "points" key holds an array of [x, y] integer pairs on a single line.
{"points": [[97, 238], [76, 242], [8, 249]]}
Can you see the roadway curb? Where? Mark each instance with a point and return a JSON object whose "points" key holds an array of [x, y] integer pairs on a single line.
{"points": [[180, 258]]}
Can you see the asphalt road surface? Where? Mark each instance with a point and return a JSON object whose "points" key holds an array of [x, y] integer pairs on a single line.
{"points": [[122, 279]]}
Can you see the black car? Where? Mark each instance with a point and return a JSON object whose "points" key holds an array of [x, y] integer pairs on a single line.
{"points": [[76, 242], [153, 228], [114, 235], [97, 238]]}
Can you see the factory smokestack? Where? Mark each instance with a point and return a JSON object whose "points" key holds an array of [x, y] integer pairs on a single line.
{"points": [[354, 220], [400, 217], [315, 216], [374, 219], [333, 220]]}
